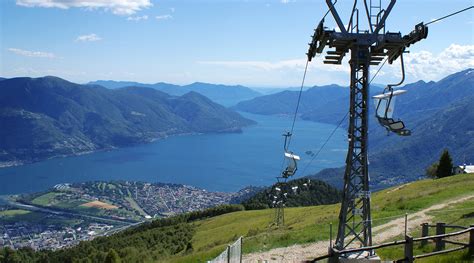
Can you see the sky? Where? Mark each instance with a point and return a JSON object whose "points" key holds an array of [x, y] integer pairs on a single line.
{"points": [[257, 43]]}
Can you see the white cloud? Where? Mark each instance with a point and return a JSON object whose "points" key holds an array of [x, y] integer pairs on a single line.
{"points": [[164, 17], [137, 18], [88, 38], [422, 65], [28, 53], [290, 64], [172, 9], [428, 66], [118, 7]]}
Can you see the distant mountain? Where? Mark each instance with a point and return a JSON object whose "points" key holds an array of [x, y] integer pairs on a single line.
{"points": [[47, 117], [285, 102], [2, 78], [440, 113], [395, 160], [222, 94]]}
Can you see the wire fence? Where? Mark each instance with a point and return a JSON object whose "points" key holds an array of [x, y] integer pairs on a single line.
{"points": [[232, 254]]}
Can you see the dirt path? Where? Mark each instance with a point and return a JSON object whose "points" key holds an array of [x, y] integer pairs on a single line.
{"points": [[298, 253]]}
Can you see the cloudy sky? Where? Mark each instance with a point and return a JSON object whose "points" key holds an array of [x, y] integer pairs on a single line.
{"points": [[258, 43]]}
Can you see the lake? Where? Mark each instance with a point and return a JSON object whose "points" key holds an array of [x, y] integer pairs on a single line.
{"points": [[216, 162]]}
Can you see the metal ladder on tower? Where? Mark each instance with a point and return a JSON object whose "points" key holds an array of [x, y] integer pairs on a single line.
{"points": [[375, 12]]}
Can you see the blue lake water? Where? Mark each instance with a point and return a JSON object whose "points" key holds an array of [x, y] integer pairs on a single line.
{"points": [[216, 162]]}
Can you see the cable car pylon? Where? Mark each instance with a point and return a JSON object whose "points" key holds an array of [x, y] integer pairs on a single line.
{"points": [[366, 48]]}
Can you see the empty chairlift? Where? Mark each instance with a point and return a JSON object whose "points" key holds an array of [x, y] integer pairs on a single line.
{"points": [[385, 104], [290, 158]]}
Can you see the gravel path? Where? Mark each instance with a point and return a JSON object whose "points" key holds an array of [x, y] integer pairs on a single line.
{"points": [[384, 232]]}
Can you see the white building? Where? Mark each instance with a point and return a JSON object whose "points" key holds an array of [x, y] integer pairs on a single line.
{"points": [[464, 169]]}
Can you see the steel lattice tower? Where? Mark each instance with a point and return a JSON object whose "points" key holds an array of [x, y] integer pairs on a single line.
{"points": [[366, 47]]}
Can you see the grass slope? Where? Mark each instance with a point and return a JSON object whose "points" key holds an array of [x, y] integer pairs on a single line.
{"points": [[310, 224]]}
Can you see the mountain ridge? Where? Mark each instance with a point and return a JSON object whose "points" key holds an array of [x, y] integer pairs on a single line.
{"points": [[49, 116], [226, 95], [433, 110]]}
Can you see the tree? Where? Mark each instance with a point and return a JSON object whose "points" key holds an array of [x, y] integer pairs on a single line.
{"points": [[112, 257], [445, 166], [431, 170]]}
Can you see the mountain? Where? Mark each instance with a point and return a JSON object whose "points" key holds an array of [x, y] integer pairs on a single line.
{"points": [[47, 117], [439, 113], [222, 94], [284, 103]]}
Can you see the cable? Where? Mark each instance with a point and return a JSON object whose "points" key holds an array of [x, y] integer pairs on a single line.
{"points": [[452, 14], [299, 100], [376, 73], [301, 90], [324, 144]]}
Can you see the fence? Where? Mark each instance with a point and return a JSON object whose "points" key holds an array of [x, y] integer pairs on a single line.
{"points": [[232, 254], [439, 239]]}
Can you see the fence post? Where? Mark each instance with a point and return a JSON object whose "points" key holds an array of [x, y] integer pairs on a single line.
{"points": [[424, 233], [408, 249], [333, 256], [471, 240], [241, 243], [440, 230], [228, 254]]}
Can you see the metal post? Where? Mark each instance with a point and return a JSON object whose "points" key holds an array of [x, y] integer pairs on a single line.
{"points": [[471, 241], [406, 222], [330, 235], [228, 254], [409, 249], [424, 233], [354, 217], [241, 243], [440, 230]]}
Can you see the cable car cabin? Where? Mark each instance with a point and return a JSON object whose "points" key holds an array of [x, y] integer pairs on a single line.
{"points": [[384, 104], [292, 165]]}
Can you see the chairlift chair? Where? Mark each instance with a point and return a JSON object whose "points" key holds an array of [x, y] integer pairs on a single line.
{"points": [[292, 164], [385, 104], [291, 158]]}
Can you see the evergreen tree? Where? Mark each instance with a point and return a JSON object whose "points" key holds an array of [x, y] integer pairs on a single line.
{"points": [[445, 165]]}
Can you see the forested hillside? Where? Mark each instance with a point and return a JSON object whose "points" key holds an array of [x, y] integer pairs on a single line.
{"points": [[48, 117], [300, 192], [440, 115]]}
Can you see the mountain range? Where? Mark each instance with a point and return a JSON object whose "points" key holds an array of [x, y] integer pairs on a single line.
{"points": [[46, 117], [222, 94], [439, 113]]}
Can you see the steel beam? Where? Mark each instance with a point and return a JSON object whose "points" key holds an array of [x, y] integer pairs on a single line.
{"points": [[354, 217]]}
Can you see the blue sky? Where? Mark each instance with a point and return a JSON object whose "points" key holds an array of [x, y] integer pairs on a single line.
{"points": [[256, 43]]}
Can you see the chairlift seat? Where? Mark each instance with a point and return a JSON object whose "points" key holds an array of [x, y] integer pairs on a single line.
{"points": [[397, 127], [385, 103], [292, 164]]}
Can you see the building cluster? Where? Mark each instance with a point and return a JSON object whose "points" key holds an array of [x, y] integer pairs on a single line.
{"points": [[161, 200], [36, 236]]}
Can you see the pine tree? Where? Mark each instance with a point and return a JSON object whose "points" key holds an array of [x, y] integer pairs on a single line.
{"points": [[445, 166]]}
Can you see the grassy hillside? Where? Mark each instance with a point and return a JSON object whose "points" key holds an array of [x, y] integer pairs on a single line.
{"points": [[309, 224], [200, 236]]}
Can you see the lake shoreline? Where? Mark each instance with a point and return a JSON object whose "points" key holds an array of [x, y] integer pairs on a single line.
{"points": [[225, 162]]}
